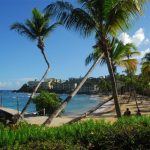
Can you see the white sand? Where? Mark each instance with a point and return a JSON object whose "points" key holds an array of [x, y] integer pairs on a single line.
{"points": [[40, 120]]}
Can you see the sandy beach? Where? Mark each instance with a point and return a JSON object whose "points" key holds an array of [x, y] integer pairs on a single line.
{"points": [[107, 111]]}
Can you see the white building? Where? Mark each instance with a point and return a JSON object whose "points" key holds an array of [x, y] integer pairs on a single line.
{"points": [[52, 80]]}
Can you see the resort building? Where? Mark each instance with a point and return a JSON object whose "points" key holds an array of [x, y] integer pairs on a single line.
{"points": [[66, 87], [53, 80], [89, 89]]}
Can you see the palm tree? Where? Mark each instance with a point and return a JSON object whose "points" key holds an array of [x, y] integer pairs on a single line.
{"points": [[102, 17], [37, 28], [121, 55], [146, 66]]}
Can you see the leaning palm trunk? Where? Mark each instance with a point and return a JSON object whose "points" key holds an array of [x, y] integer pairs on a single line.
{"points": [[67, 100], [89, 111], [113, 81], [36, 88]]}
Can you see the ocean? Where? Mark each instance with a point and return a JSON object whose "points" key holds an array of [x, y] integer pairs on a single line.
{"points": [[78, 105]]}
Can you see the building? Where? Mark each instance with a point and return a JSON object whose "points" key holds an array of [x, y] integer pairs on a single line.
{"points": [[69, 87], [65, 87], [91, 89], [47, 85], [52, 80]]}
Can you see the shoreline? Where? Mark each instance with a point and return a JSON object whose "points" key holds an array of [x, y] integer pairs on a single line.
{"points": [[66, 118], [106, 112]]}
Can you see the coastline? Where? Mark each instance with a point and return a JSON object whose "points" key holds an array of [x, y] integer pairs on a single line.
{"points": [[106, 112]]}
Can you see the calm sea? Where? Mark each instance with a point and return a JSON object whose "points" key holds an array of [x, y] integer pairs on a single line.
{"points": [[79, 104]]}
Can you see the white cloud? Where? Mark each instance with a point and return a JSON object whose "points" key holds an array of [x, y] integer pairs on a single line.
{"points": [[125, 38], [138, 38]]}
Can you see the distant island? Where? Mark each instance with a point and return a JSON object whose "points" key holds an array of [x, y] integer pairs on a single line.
{"points": [[62, 86]]}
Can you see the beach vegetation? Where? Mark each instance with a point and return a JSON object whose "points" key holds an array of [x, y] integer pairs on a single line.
{"points": [[126, 133]]}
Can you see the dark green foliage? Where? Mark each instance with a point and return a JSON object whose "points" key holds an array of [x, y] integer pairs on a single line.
{"points": [[131, 133], [49, 101], [46, 145]]}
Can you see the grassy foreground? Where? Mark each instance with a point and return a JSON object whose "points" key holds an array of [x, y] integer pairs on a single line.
{"points": [[127, 133]]}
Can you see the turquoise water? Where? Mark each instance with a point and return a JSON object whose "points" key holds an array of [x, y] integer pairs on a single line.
{"points": [[79, 104]]}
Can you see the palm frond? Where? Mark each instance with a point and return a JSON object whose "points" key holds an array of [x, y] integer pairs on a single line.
{"points": [[23, 30], [89, 59], [80, 21], [32, 27], [73, 18], [129, 64], [94, 56], [146, 57], [146, 70], [59, 9], [121, 14], [36, 27]]}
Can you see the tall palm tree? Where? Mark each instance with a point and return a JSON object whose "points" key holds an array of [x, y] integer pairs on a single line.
{"points": [[37, 28], [102, 17], [121, 55]]}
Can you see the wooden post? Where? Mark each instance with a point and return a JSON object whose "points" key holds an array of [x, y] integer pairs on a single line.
{"points": [[1, 101], [44, 112], [17, 104]]}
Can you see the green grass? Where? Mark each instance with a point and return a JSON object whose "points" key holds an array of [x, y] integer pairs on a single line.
{"points": [[127, 133]]}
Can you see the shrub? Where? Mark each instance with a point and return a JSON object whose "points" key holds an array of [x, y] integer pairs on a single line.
{"points": [[128, 133], [49, 101]]}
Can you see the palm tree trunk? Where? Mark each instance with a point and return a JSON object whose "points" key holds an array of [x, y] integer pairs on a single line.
{"points": [[90, 111], [134, 92], [114, 87], [36, 88], [67, 100]]}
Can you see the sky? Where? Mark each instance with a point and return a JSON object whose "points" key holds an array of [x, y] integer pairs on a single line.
{"points": [[21, 60]]}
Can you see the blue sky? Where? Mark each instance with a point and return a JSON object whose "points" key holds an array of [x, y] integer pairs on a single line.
{"points": [[20, 59]]}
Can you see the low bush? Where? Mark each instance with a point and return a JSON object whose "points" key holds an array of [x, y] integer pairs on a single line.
{"points": [[131, 133]]}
